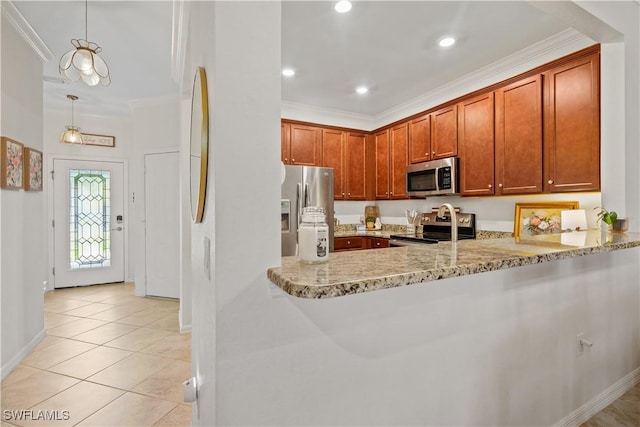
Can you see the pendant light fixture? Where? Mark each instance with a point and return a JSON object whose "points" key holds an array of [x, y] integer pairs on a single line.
{"points": [[83, 62], [72, 135]]}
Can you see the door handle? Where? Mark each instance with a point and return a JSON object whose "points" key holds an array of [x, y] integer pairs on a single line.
{"points": [[117, 229]]}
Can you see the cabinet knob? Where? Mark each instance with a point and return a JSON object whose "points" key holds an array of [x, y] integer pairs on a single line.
{"points": [[342, 194], [390, 192], [490, 186], [293, 160], [500, 185], [434, 153], [286, 159], [348, 194], [426, 154], [348, 242], [550, 181]]}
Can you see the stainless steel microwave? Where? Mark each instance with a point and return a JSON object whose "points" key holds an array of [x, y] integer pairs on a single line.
{"points": [[434, 178]]}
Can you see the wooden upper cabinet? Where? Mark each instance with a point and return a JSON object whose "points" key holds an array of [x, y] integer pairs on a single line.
{"points": [[345, 152], [572, 126], [285, 143], [518, 142], [333, 156], [444, 132], [356, 166], [306, 145], [476, 145], [399, 143], [420, 139], [382, 150]]}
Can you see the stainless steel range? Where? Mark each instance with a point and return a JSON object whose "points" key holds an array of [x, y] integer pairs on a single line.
{"points": [[434, 229]]}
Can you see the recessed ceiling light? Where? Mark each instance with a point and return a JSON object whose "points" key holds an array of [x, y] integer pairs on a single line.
{"points": [[343, 6], [447, 41], [288, 72], [362, 90]]}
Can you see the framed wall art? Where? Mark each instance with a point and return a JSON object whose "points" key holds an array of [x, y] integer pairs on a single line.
{"points": [[11, 169], [540, 217], [32, 169], [100, 140]]}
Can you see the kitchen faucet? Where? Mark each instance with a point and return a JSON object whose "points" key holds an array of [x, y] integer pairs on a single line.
{"points": [[454, 220]]}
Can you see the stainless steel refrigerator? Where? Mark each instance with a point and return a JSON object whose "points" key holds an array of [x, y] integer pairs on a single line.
{"points": [[304, 186]]}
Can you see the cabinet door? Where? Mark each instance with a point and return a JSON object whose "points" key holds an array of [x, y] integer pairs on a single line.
{"points": [[306, 145], [476, 145], [356, 144], [285, 143], [333, 156], [420, 139], [399, 161], [519, 137], [444, 132], [572, 126], [382, 164]]}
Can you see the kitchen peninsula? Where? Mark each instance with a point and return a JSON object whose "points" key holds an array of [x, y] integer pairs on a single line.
{"points": [[364, 271]]}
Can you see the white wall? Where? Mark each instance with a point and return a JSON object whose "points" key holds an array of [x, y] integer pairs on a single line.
{"points": [[238, 43], [495, 348], [22, 249], [155, 129]]}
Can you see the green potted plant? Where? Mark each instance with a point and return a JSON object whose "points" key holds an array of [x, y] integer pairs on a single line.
{"points": [[370, 222], [608, 217]]}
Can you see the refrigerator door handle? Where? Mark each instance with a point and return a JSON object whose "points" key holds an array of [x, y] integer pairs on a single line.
{"points": [[307, 196], [298, 207]]}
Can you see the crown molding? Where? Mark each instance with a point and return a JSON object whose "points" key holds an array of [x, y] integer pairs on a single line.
{"points": [[27, 32], [326, 116], [547, 50]]}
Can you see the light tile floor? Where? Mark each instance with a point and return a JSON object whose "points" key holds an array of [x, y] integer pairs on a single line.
{"points": [[109, 358], [624, 412]]}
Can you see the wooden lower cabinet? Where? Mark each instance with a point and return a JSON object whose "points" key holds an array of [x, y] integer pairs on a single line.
{"points": [[341, 244], [349, 243], [377, 243]]}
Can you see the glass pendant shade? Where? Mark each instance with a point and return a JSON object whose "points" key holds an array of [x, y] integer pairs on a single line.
{"points": [[83, 63], [72, 135]]}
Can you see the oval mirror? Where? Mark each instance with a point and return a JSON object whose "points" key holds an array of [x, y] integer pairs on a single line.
{"points": [[199, 144]]}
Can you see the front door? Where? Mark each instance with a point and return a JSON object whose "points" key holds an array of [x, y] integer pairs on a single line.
{"points": [[89, 223]]}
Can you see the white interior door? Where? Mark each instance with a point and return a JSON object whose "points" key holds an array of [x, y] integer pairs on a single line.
{"points": [[162, 224], [89, 223]]}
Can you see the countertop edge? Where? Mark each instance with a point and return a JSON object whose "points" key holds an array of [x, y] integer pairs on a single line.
{"points": [[367, 284]]}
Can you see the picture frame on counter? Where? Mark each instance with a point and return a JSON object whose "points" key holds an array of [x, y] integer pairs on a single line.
{"points": [[534, 218], [99, 140], [32, 169], [12, 164]]}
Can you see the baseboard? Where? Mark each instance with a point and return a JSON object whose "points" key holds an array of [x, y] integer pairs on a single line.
{"points": [[601, 401], [185, 329], [8, 367]]}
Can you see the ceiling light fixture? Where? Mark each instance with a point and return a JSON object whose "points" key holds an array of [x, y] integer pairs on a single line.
{"points": [[362, 90], [447, 41], [83, 62], [72, 134], [343, 6], [288, 72]]}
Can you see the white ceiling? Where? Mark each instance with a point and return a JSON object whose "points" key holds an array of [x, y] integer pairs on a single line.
{"points": [[387, 45]]}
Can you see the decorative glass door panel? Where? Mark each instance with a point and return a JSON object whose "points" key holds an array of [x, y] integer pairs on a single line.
{"points": [[89, 220]]}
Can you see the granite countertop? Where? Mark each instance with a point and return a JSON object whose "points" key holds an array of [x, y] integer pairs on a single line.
{"points": [[355, 272]]}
